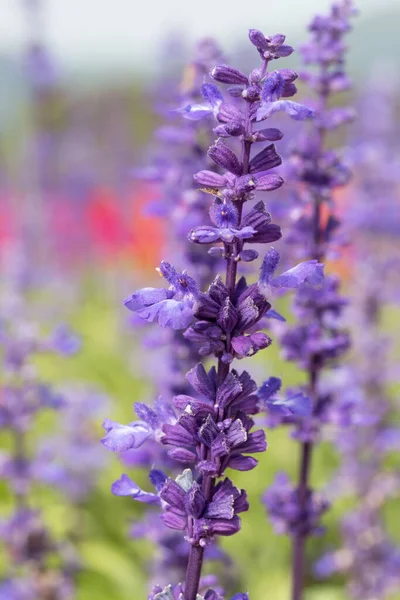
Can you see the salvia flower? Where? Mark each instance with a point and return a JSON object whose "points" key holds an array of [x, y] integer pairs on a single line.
{"points": [[214, 428], [170, 307], [287, 515], [24, 396], [368, 556], [318, 340]]}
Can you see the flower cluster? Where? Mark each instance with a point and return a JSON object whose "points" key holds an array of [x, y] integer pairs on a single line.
{"points": [[212, 428], [286, 513], [318, 340], [368, 555], [72, 459], [23, 397], [177, 593]]}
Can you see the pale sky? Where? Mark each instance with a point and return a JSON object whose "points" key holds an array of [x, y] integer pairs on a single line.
{"points": [[83, 32]]}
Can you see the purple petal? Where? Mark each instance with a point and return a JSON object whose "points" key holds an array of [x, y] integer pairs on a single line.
{"points": [[299, 405], [221, 508], [267, 159], [297, 111], [176, 435], [245, 233], [242, 345], [126, 487], [269, 388], [273, 314], [212, 94], [248, 255], [267, 182], [224, 527], [242, 463], [173, 494], [229, 114], [227, 316], [204, 235], [194, 112], [268, 234], [271, 134], [182, 455], [174, 521], [157, 478], [120, 438], [147, 414], [223, 156], [259, 40], [269, 265], [236, 434], [310, 271], [195, 501], [227, 74], [168, 313], [208, 431], [273, 88], [256, 442], [284, 50], [146, 297], [277, 39], [210, 179], [200, 381], [224, 214]]}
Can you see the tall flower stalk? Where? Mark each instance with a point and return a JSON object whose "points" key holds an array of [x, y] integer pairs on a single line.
{"points": [[40, 565], [318, 340], [368, 556], [32, 572], [211, 429]]}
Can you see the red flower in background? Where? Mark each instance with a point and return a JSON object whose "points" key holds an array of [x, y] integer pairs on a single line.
{"points": [[100, 228], [7, 219], [147, 232]]}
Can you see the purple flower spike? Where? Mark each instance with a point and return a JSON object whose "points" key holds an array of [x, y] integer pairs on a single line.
{"points": [[317, 340], [211, 429]]}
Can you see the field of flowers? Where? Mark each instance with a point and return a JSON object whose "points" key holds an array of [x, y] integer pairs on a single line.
{"points": [[200, 327]]}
